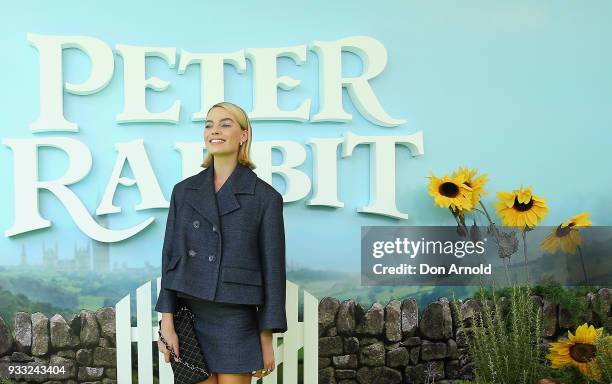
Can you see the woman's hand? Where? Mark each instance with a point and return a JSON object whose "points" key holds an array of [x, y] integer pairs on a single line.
{"points": [[268, 354], [169, 334]]}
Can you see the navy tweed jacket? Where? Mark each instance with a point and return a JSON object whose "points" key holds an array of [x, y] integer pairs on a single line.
{"points": [[231, 253]]}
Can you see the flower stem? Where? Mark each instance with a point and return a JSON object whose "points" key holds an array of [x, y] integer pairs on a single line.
{"points": [[586, 280], [459, 223], [524, 233], [506, 270], [495, 234], [486, 213]]}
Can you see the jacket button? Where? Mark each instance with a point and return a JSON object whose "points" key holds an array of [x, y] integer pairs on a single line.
{"points": [[211, 258], [192, 252], [196, 224], [214, 229]]}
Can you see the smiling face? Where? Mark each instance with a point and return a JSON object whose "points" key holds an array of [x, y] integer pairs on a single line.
{"points": [[222, 133]]}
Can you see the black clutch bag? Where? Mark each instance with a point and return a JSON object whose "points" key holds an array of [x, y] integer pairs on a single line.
{"points": [[191, 367]]}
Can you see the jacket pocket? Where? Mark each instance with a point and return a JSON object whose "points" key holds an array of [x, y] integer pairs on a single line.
{"points": [[173, 262], [241, 276]]}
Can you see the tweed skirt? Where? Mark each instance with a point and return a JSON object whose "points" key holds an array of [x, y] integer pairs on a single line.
{"points": [[228, 334]]}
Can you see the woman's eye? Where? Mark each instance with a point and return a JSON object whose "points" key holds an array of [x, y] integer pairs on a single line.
{"points": [[224, 125]]}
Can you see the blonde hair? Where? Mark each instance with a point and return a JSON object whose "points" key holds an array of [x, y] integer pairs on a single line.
{"points": [[243, 120]]}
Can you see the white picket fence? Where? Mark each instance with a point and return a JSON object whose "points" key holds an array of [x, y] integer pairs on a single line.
{"points": [[299, 334]]}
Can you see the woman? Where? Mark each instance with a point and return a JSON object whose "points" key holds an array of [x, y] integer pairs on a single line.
{"points": [[224, 255]]}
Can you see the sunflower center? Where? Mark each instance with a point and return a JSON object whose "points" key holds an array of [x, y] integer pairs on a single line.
{"points": [[448, 189], [562, 231], [522, 207], [582, 353]]}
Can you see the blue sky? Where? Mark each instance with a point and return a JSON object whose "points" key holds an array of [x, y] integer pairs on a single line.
{"points": [[520, 90]]}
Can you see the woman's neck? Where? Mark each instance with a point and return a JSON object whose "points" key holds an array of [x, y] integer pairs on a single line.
{"points": [[223, 168]]}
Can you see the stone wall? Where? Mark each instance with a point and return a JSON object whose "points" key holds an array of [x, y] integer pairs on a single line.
{"points": [[395, 344], [383, 344], [84, 345]]}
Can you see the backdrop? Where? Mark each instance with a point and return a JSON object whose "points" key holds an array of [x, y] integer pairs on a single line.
{"points": [[518, 90]]}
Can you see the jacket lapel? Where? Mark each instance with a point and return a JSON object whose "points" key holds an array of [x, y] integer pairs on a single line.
{"points": [[242, 180], [201, 192], [225, 197]]}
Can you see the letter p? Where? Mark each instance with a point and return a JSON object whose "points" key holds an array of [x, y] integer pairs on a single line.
{"points": [[52, 84]]}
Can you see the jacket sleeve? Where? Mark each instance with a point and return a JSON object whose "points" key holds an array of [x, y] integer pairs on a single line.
{"points": [[271, 315], [166, 302]]}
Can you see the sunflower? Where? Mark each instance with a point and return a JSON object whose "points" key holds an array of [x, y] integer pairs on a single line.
{"points": [[520, 207], [451, 192], [578, 350], [566, 235], [476, 183]]}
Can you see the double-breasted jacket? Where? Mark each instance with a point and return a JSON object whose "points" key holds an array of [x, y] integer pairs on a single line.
{"points": [[231, 252]]}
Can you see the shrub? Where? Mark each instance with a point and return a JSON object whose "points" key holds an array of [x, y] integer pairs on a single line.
{"points": [[506, 349]]}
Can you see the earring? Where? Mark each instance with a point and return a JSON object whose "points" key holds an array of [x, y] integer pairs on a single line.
{"points": [[241, 143]]}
